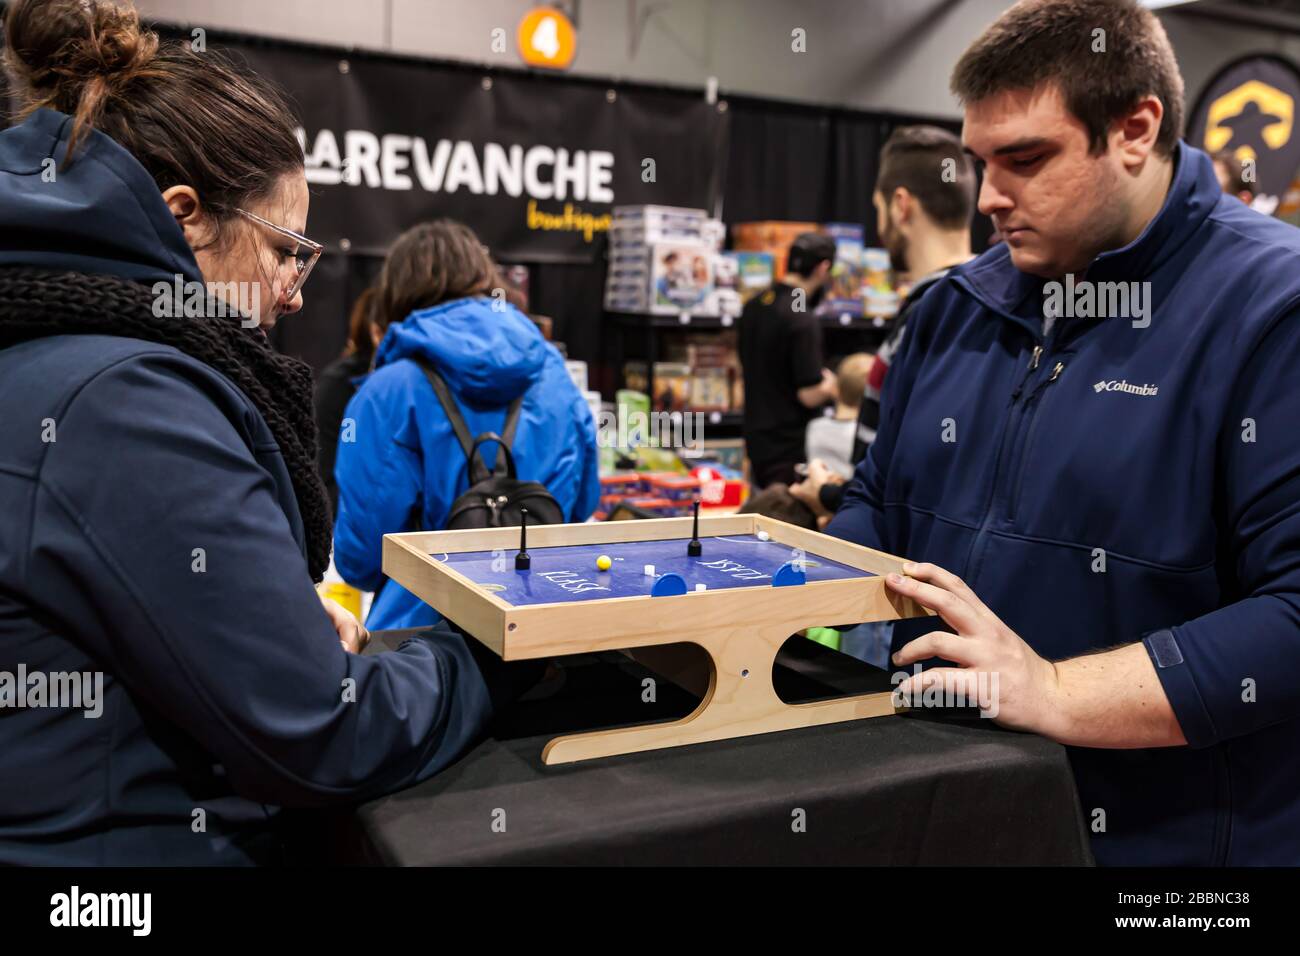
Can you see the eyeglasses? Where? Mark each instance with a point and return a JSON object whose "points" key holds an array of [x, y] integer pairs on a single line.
{"points": [[305, 253]]}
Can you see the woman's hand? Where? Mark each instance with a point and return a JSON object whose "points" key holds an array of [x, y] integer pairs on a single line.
{"points": [[352, 635]]}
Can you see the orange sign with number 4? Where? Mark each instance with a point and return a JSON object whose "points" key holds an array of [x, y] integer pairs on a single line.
{"points": [[547, 38]]}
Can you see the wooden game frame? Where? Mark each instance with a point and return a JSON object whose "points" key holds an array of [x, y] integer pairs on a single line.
{"points": [[740, 629]]}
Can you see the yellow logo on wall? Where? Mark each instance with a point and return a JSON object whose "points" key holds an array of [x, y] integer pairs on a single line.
{"points": [[547, 38], [1250, 111]]}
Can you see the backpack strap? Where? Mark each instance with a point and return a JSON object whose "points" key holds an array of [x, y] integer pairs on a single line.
{"points": [[505, 441], [448, 404], [505, 466], [478, 471], [512, 421], [502, 471]]}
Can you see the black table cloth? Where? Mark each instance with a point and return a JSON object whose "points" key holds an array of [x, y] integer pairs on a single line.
{"points": [[921, 788]]}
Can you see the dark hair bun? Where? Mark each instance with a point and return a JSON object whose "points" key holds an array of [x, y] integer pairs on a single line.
{"points": [[68, 51], [164, 103]]}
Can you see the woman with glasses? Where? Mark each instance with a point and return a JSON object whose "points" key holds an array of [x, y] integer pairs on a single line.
{"points": [[169, 678]]}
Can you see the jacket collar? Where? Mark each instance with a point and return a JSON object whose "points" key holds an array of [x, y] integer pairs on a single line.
{"points": [[1193, 192]]}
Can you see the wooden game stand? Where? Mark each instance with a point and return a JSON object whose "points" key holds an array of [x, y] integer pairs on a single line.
{"points": [[740, 629]]}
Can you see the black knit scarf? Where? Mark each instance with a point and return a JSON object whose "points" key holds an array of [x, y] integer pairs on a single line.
{"points": [[38, 302]]}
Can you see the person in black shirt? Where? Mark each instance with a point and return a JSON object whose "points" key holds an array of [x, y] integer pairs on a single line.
{"points": [[335, 388], [781, 356]]}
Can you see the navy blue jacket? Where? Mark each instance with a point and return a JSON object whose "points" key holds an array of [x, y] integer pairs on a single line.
{"points": [[225, 689], [1174, 449]]}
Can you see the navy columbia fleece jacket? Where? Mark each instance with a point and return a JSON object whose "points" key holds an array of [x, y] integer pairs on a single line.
{"points": [[1175, 449]]}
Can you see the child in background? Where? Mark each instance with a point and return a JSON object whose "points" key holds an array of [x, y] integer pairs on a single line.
{"points": [[831, 439]]}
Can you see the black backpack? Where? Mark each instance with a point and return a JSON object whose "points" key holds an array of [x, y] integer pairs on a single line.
{"points": [[494, 499]]}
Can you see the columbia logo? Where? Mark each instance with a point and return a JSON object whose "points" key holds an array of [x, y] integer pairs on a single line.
{"points": [[1121, 386]]}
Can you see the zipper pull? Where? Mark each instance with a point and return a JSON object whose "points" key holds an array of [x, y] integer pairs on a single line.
{"points": [[1033, 364], [1056, 373]]}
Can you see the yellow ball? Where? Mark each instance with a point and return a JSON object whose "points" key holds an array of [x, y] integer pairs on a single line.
{"points": [[604, 563]]}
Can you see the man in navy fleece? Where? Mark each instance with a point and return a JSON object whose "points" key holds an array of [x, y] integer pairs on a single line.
{"points": [[1093, 424]]}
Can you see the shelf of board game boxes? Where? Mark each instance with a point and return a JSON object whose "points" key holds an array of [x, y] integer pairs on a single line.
{"points": [[690, 320], [640, 486], [671, 289], [689, 374], [666, 265], [694, 366], [655, 460], [654, 464]]}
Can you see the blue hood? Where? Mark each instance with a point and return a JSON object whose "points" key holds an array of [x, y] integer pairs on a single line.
{"points": [[487, 357], [103, 214], [403, 468]]}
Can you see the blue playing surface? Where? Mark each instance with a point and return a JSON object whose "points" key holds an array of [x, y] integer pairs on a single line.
{"points": [[569, 573]]}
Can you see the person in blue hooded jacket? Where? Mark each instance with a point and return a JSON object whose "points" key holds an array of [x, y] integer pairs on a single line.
{"points": [[402, 467], [169, 678], [1090, 441]]}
